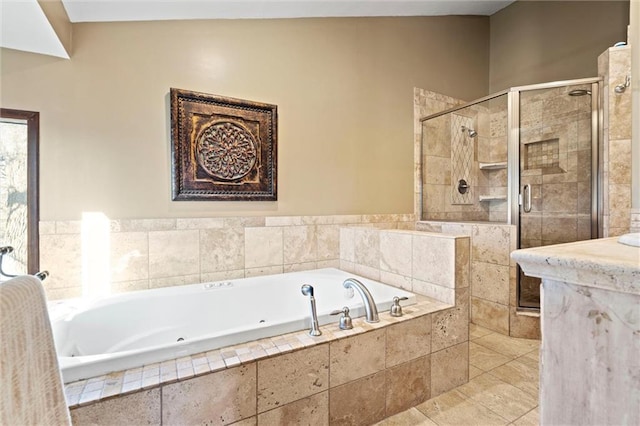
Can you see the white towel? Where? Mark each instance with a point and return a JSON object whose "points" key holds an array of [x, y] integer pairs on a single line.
{"points": [[30, 380]]}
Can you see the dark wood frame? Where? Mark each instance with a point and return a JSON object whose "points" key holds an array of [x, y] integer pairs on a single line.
{"points": [[201, 125], [33, 191]]}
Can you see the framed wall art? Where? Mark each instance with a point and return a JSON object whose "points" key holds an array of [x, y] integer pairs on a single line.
{"points": [[223, 148]]}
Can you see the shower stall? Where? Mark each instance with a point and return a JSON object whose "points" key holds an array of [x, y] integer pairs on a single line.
{"points": [[525, 157]]}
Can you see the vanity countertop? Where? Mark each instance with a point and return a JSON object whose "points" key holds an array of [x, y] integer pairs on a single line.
{"points": [[602, 263]]}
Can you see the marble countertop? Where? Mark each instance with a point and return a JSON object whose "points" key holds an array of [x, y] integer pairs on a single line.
{"points": [[602, 263]]}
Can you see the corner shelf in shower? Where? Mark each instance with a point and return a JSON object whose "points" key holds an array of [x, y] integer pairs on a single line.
{"points": [[492, 198], [493, 166]]}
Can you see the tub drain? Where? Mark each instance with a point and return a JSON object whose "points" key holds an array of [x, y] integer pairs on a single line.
{"points": [[180, 339], [261, 321]]}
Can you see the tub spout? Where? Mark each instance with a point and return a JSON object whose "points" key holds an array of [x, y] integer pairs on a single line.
{"points": [[369, 304], [307, 290]]}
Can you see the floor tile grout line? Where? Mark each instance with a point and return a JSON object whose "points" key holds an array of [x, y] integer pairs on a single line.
{"points": [[489, 408]]}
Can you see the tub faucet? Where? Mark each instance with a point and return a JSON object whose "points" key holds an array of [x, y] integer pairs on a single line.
{"points": [[369, 305], [307, 290]]}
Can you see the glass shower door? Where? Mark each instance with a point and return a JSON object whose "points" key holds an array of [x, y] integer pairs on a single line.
{"points": [[556, 172]]}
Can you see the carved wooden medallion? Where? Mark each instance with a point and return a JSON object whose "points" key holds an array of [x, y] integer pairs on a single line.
{"points": [[223, 148]]}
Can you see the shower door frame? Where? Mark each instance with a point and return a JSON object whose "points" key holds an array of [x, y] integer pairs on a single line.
{"points": [[513, 160]]}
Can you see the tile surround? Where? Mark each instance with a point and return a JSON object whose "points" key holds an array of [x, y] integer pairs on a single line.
{"points": [[358, 403], [613, 66], [313, 410], [492, 280], [376, 360], [201, 249], [357, 357], [220, 398], [273, 368], [408, 384], [308, 368]]}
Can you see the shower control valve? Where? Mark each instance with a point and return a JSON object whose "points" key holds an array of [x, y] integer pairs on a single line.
{"points": [[463, 186]]}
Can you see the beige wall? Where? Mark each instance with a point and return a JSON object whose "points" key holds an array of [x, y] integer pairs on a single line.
{"points": [[344, 90], [541, 41]]}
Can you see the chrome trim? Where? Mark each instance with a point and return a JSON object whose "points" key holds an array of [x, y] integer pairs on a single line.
{"points": [[596, 182], [468, 104], [555, 84], [513, 161], [526, 198], [421, 174]]}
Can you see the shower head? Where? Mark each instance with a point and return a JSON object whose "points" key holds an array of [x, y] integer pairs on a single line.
{"points": [[579, 92], [472, 133]]}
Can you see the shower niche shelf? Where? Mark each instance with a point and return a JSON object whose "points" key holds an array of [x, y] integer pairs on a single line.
{"points": [[493, 166], [492, 198]]}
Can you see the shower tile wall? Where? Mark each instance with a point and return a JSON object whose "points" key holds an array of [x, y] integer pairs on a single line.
{"points": [[462, 155], [554, 124], [151, 253], [613, 66], [497, 177], [437, 181], [426, 103]]}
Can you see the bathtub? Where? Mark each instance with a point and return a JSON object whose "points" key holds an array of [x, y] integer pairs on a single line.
{"points": [[133, 329]]}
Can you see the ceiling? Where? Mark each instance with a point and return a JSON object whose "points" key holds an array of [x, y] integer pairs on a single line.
{"points": [[25, 26]]}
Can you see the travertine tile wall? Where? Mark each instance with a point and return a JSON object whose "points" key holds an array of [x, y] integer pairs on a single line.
{"points": [[497, 178], [434, 138], [430, 264], [493, 276], [561, 202], [356, 379], [151, 253], [613, 66]]}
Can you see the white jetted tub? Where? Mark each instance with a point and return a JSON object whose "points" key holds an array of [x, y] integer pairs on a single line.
{"points": [[129, 330]]}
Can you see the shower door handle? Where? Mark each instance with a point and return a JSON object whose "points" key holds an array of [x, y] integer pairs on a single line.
{"points": [[526, 198]]}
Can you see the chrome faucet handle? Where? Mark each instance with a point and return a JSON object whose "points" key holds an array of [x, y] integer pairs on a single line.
{"points": [[345, 319], [396, 309]]}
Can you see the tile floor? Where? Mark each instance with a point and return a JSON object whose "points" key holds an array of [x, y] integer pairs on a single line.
{"points": [[502, 388]]}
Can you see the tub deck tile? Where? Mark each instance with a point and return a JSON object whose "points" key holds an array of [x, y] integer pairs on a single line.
{"points": [[285, 348], [246, 358], [184, 362], [133, 386], [85, 392], [93, 386], [133, 375], [259, 354], [199, 359], [217, 365], [150, 382], [112, 388], [272, 351], [186, 373], [151, 372], [89, 397], [169, 377], [232, 361]]}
